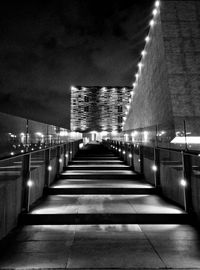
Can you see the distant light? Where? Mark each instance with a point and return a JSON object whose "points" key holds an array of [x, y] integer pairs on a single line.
{"points": [[154, 168], [66, 155], [104, 133], [136, 76], [143, 53], [29, 183], [70, 152], [73, 88], [155, 12], [40, 147], [145, 136], [147, 39], [114, 132], [60, 160], [130, 155], [134, 133], [152, 22], [63, 133], [49, 168], [139, 160], [22, 134], [120, 150], [39, 134], [22, 151], [12, 153], [80, 145], [103, 88], [134, 85], [183, 183], [157, 3], [124, 152], [140, 65], [32, 149]]}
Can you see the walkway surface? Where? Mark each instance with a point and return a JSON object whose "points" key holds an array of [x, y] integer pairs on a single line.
{"points": [[84, 223]]}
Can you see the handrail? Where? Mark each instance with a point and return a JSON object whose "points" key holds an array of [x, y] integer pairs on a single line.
{"points": [[30, 152], [188, 152]]}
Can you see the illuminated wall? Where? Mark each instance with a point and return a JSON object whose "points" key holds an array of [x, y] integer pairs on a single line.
{"points": [[98, 108], [167, 85]]}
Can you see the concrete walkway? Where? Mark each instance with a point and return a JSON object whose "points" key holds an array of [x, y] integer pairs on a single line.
{"points": [[94, 197], [102, 247]]}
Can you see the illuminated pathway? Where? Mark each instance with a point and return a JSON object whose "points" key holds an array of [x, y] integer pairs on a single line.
{"points": [[105, 203]]}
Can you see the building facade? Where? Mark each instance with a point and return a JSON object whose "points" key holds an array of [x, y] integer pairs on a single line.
{"points": [[97, 108]]}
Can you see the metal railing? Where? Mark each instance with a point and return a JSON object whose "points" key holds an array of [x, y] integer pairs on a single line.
{"points": [[175, 173], [24, 177]]}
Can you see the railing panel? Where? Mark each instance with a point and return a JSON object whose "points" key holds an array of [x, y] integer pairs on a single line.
{"points": [[148, 163], [171, 174], [195, 183], [10, 194]]}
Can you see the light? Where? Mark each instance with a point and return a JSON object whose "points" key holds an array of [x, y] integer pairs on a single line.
{"points": [[60, 160], [134, 85], [40, 147], [139, 160], [132, 93], [188, 139], [152, 22], [136, 76], [63, 133], [12, 153], [140, 65], [123, 152], [80, 145], [29, 183], [66, 155], [143, 53], [155, 12], [147, 39], [154, 168], [73, 88], [130, 155], [49, 168], [120, 150], [32, 149], [145, 136], [70, 152], [22, 151], [104, 133], [183, 183], [157, 3], [39, 134]]}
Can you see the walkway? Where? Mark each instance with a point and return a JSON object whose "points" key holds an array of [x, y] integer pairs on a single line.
{"points": [[117, 221]]}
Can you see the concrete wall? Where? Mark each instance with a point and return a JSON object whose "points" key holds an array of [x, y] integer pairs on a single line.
{"points": [[168, 89]]}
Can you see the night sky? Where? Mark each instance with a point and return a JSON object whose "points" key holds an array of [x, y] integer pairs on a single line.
{"points": [[47, 46]]}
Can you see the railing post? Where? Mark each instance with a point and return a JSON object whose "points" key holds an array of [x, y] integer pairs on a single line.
{"points": [[186, 162], [65, 155], [141, 158], [132, 158], [26, 182], [58, 160], [156, 167], [47, 167]]}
